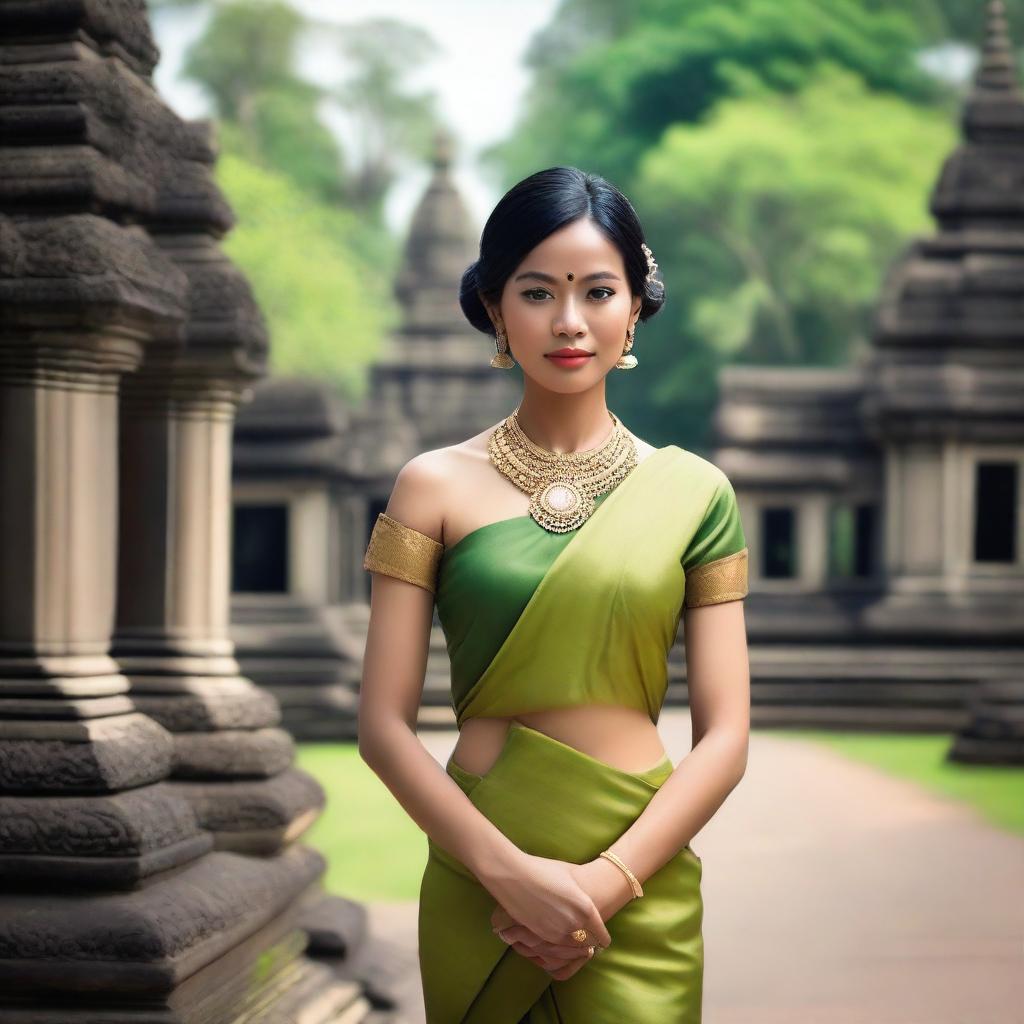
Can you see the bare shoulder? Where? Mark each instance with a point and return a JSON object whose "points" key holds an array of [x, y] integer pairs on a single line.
{"points": [[425, 485], [417, 497], [471, 453], [465, 465]]}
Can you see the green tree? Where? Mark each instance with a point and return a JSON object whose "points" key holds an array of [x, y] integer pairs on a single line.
{"points": [[247, 48], [286, 134], [780, 153], [310, 231], [773, 223], [245, 63], [941, 21], [391, 123], [601, 96], [320, 274]]}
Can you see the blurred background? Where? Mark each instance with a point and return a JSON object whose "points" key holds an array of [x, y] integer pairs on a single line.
{"points": [[231, 240], [779, 154], [783, 156]]}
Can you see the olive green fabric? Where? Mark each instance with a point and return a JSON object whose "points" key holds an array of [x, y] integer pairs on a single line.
{"points": [[487, 580], [484, 581], [720, 533], [537, 621], [555, 801], [614, 591]]}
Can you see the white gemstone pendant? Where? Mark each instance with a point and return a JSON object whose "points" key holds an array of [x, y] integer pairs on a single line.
{"points": [[560, 498], [561, 506]]}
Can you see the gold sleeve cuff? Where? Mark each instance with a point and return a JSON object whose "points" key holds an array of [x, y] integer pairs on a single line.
{"points": [[724, 579], [400, 551]]}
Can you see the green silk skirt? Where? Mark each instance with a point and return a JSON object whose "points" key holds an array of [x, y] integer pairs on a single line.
{"points": [[552, 800], [536, 620]]}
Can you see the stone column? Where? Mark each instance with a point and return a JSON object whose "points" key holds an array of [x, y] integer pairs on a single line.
{"points": [[946, 382], [232, 762], [994, 129], [116, 393], [77, 760]]}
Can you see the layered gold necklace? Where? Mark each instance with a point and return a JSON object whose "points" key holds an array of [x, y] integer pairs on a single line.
{"points": [[561, 485]]}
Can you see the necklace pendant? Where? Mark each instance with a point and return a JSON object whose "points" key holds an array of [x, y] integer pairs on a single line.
{"points": [[560, 506], [562, 485]]}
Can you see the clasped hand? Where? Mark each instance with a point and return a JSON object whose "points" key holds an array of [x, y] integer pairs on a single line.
{"points": [[545, 900]]}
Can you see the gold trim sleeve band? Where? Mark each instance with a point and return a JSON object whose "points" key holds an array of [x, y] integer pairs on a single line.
{"points": [[400, 551], [724, 579]]}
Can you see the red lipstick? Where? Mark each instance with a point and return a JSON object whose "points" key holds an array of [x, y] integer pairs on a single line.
{"points": [[569, 357]]}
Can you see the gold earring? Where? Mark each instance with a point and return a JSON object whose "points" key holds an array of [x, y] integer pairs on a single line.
{"points": [[626, 361], [501, 359]]}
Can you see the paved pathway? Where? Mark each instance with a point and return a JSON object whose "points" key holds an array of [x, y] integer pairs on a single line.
{"points": [[835, 894]]}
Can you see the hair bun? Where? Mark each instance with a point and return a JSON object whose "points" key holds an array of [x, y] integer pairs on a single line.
{"points": [[469, 299]]}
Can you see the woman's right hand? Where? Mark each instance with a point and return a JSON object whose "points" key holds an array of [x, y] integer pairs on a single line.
{"points": [[543, 895], [560, 962]]}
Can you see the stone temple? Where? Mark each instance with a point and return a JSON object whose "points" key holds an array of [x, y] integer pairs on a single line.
{"points": [[175, 589], [152, 867], [882, 501]]}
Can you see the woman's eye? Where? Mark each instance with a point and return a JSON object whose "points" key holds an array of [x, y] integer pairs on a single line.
{"points": [[536, 294]]}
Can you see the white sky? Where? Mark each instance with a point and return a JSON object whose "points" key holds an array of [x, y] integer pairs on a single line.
{"points": [[478, 75]]}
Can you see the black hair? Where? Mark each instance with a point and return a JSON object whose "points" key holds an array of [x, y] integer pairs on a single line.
{"points": [[538, 206]]}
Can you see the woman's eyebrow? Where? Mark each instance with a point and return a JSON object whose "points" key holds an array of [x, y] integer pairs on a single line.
{"points": [[600, 275]]}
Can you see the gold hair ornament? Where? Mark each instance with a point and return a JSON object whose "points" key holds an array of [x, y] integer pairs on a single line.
{"points": [[652, 267]]}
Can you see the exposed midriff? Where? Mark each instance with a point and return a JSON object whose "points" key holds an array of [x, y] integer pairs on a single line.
{"points": [[625, 738]]}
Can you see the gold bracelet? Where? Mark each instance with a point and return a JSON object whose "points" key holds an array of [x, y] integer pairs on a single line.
{"points": [[633, 881]]}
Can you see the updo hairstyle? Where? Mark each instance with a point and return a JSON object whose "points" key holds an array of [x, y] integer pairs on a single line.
{"points": [[537, 207]]}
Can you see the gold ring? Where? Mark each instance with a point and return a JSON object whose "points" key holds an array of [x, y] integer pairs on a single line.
{"points": [[580, 935]]}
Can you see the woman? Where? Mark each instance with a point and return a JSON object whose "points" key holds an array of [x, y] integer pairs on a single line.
{"points": [[562, 551]]}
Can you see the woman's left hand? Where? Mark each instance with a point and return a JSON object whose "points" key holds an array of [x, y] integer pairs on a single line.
{"points": [[604, 883]]}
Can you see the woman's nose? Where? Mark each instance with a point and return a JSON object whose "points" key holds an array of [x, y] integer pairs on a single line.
{"points": [[568, 320]]}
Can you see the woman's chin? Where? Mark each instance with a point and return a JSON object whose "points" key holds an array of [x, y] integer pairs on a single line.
{"points": [[568, 384]]}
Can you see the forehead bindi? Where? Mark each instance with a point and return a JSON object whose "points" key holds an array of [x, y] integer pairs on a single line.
{"points": [[580, 251], [540, 275]]}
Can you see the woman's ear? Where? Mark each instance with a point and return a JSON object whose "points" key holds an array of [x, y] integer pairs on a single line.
{"points": [[492, 311]]}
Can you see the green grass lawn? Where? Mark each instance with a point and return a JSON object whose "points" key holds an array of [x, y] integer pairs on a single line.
{"points": [[996, 792], [376, 852]]}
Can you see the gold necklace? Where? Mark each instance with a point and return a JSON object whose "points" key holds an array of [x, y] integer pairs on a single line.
{"points": [[562, 485]]}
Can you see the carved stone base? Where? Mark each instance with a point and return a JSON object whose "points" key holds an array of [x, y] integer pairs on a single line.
{"points": [[114, 840], [305, 657], [91, 755], [383, 964], [153, 951], [995, 733], [257, 817]]}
